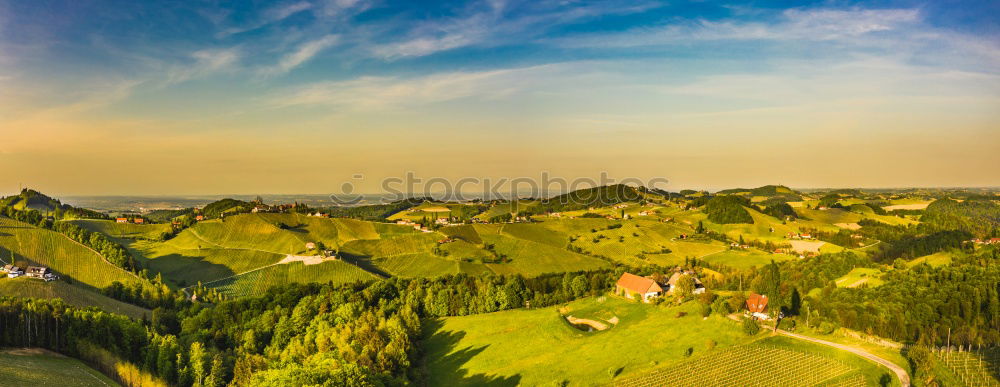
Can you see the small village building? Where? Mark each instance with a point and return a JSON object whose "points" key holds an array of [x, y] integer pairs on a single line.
{"points": [[138, 221], [757, 306], [13, 271], [632, 286], [121, 220], [671, 284], [310, 245], [40, 272], [199, 218]]}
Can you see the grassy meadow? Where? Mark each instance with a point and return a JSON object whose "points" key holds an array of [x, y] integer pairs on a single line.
{"points": [[38, 367], [538, 346], [73, 295]]}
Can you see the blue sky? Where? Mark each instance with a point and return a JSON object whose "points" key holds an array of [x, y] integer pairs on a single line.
{"points": [[680, 89]]}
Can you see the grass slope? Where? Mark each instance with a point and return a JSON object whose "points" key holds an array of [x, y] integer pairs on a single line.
{"points": [[123, 230], [532, 258], [860, 276], [538, 347], [742, 259], [255, 283], [32, 245], [38, 367], [73, 295]]}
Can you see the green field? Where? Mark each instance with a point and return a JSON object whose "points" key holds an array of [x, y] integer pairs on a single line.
{"points": [[257, 282], [532, 258], [860, 276], [184, 266], [742, 259], [538, 347], [936, 259], [73, 295], [36, 367], [123, 230], [32, 245]]}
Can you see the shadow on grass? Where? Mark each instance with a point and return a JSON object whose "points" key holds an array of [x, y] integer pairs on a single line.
{"points": [[179, 269], [443, 362], [365, 263]]}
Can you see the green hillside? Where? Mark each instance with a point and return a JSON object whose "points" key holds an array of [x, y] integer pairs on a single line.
{"points": [[73, 295], [529, 347], [32, 245], [124, 230], [257, 282], [38, 367]]}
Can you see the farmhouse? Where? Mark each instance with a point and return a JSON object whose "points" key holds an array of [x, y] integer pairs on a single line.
{"points": [[121, 220], [757, 305], [13, 271], [631, 285], [40, 272], [138, 221], [199, 218], [310, 245], [672, 282]]}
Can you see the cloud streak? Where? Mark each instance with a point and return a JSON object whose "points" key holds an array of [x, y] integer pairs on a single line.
{"points": [[793, 24], [302, 54], [381, 93]]}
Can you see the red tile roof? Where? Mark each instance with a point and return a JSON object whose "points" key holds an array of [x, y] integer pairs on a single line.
{"points": [[756, 303], [637, 284]]}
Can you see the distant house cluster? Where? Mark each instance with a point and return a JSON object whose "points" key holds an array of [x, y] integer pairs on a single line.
{"points": [[793, 235], [135, 220], [990, 241], [649, 288], [407, 222], [259, 206], [38, 272]]}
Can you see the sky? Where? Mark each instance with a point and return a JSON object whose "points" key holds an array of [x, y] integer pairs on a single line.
{"points": [[210, 97]]}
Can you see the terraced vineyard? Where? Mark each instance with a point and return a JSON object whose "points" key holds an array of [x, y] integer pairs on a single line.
{"points": [[123, 230], [532, 258], [73, 295], [257, 282], [417, 265], [66, 257], [973, 368], [754, 365], [396, 245], [178, 262], [248, 232]]}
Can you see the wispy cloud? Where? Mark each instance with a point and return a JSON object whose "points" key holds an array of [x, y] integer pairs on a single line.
{"points": [[793, 24], [270, 16], [496, 22], [206, 62], [371, 93], [302, 54]]}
